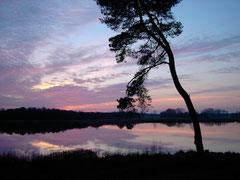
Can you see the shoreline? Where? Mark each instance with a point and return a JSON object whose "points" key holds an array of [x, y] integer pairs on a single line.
{"points": [[86, 164], [43, 126]]}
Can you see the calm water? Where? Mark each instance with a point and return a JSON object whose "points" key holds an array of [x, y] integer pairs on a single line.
{"points": [[111, 139]]}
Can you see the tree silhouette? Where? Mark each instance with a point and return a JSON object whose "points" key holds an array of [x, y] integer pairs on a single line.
{"points": [[144, 26]]}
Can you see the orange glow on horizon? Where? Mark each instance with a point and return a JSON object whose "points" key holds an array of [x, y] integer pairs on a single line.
{"points": [[176, 99], [89, 107], [159, 104]]}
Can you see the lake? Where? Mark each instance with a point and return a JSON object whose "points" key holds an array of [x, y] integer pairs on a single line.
{"points": [[151, 137]]}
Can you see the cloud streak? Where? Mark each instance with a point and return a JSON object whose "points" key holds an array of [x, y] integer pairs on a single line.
{"points": [[207, 45]]}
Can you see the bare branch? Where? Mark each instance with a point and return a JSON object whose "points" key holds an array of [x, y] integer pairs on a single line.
{"points": [[165, 42], [145, 70], [144, 26]]}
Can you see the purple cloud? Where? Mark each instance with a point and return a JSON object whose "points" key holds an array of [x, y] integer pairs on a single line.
{"points": [[207, 45], [228, 70], [52, 54]]}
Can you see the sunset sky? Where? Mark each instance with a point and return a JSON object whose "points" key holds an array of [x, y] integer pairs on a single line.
{"points": [[55, 54]]}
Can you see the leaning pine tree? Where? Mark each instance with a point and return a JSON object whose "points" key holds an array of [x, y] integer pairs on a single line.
{"points": [[144, 26]]}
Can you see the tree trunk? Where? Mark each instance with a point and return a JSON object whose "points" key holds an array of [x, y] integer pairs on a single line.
{"points": [[197, 131], [165, 45]]}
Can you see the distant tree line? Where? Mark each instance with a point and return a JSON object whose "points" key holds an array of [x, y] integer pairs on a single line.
{"points": [[205, 115], [43, 113], [42, 120], [33, 113]]}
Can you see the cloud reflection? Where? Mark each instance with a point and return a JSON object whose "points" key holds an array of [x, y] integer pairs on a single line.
{"points": [[95, 145], [45, 146], [111, 139]]}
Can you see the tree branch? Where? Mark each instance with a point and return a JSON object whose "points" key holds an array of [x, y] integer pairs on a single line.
{"points": [[165, 42], [147, 69], [144, 26]]}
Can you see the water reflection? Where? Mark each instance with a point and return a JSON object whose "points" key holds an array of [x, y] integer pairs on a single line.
{"points": [[112, 139]]}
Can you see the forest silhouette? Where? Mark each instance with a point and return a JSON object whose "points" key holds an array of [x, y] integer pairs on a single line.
{"points": [[42, 120]]}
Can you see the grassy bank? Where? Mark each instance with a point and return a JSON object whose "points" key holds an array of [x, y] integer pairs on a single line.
{"points": [[87, 165]]}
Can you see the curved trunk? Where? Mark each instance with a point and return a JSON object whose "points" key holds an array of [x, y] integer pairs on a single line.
{"points": [[165, 45], [197, 131]]}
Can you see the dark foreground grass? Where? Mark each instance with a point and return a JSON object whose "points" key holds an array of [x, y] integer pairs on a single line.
{"points": [[87, 165]]}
